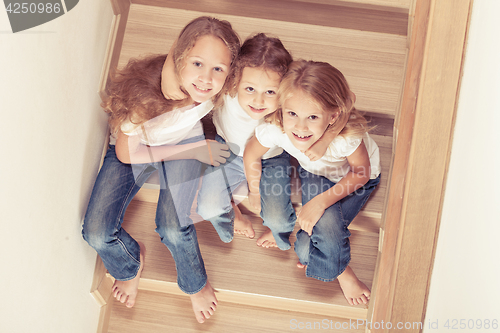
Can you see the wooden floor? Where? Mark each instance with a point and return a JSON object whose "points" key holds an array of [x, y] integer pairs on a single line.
{"points": [[160, 313], [262, 290]]}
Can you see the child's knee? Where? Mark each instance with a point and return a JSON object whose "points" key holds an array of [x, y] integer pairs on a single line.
{"points": [[173, 236], [94, 236]]}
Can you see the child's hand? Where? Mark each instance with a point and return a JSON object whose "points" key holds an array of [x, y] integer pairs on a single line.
{"points": [[317, 150], [213, 153], [254, 199], [169, 85], [310, 214]]}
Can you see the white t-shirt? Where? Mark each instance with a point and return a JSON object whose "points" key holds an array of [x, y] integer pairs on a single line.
{"points": [[333, 165], [235, 126], [170, 127]]}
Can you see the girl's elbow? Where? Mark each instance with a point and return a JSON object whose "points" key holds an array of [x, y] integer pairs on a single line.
{"points": [[123, 157]]}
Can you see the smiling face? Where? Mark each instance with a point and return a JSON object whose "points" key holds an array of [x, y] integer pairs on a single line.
{"points": [[304, 122], [257, 91], [205, 68]]}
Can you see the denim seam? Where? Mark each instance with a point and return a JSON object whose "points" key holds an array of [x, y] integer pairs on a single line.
{"points": [[124, 205], [132, 257]]}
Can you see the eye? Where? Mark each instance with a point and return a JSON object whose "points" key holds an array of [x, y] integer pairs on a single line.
{"points": [[292, 114], [197, 64], [313, 117], [250, 89], [271, 92], [218, 69]]}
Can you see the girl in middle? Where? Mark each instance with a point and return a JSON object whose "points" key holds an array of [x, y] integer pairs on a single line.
{"points": [[252, 96]]}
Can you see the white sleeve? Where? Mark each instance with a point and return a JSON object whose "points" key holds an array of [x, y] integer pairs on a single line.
{"points": [[169, 127], [345, 146], [268, 135]]}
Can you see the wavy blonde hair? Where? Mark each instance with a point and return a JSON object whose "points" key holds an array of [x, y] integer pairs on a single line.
{"points": [[327, 87], [134, 92]]}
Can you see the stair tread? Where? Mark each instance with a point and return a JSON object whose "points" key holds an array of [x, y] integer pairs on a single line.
{"points": [[242, 266], [156, 312], [372, 62], [384, 16]]}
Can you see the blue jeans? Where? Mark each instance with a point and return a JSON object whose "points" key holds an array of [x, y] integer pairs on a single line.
{"points": [[214, 198], [115, 187], [327, 251]]}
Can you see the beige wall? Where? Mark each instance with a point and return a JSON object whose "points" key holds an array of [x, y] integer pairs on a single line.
{"points": [[52, 131], [466, 271]]}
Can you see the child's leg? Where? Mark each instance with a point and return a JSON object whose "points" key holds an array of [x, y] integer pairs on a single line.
{"points": [[214, 198], [122, 256], [326, 253], [354, 290], [179, 184], [277, 211]]}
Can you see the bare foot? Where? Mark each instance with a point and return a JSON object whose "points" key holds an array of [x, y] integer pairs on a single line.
{"points": [[204, 303], [354, 290], [126, 291], [299, 265], [267, 240], [242, 225]]}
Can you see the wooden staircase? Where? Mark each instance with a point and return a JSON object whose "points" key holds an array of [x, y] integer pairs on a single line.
{"points": [[261, 289]]}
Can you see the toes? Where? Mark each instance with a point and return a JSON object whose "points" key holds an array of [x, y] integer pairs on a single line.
{"points": [[118, 295], [130, 302], [200, 317], [207, 314], [251, 234]]}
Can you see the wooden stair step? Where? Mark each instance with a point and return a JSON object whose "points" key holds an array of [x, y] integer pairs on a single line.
{"points": [[372, 62], [383, 16], [240, 268], [156, 312]]}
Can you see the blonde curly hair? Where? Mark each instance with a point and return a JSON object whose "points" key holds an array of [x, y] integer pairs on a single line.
{"points": [[134, 92]]}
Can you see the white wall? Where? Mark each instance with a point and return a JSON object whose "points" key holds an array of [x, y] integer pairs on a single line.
{"points": [[466, 271], [52, 130]]}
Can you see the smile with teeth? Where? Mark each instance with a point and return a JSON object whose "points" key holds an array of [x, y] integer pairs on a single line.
{"points": [[256, 109], [302, 137], [202, 89]]}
